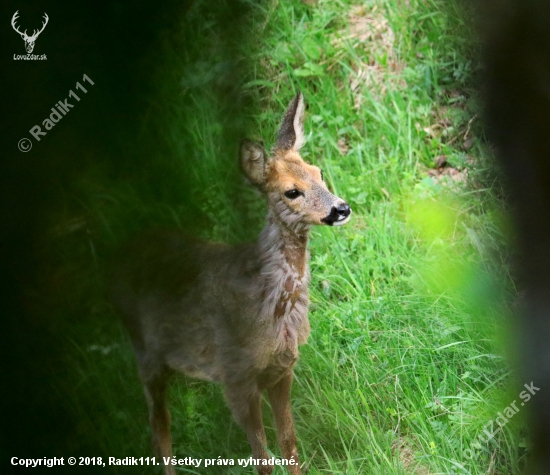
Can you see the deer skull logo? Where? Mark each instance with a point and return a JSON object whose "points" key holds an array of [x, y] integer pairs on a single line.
{"points": [[29, 40]]}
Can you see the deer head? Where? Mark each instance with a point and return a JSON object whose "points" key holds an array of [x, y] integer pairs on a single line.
{"points": [[296, 191], [29, 40]]}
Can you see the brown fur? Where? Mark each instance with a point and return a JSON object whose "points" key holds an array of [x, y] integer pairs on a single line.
{"points": [[232, 315]]}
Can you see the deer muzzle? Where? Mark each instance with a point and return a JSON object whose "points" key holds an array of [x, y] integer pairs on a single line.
{"points": [[338, 215]]}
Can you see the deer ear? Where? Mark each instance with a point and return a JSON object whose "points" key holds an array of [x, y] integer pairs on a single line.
{"points": [[291, 132], [253, 159]]}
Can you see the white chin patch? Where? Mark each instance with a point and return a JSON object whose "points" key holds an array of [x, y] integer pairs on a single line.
{"points": [[342, 221]]}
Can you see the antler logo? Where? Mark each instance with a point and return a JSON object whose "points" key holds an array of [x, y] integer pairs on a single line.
{"points": [[29, 40]]}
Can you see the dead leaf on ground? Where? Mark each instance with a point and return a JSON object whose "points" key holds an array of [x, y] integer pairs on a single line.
{"points": [[406, 456], [440, 161], [369, 32], [445, 175], [467, 145], [343, 146]]}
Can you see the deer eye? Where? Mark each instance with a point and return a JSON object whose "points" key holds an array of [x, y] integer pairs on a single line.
{"points": [[293, 194], [322, 176]]}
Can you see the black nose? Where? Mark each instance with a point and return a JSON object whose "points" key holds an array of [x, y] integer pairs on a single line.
{"points": [[337, 213], [343, 210]]}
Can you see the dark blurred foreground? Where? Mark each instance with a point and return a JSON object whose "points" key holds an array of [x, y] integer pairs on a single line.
{"points": [[516, 35], [113, 135]]}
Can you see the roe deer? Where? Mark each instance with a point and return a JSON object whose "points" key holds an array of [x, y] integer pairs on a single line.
{"points": [[232, 314]]}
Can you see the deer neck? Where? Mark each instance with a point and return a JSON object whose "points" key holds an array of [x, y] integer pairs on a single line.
{"points": [[284, 265]]}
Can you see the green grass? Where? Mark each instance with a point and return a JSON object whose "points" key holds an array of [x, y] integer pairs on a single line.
{"points": [[405, 364]]}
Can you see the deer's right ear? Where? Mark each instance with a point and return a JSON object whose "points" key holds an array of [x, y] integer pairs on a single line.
{"points": [[253, 159], [291, 133]]}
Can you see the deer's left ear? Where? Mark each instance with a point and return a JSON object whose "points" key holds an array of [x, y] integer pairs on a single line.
{"points": [[291, 133], [253, 159]]}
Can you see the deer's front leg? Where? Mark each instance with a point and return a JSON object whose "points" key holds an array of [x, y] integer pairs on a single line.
{"points": [[246, 408], [279, 397]]}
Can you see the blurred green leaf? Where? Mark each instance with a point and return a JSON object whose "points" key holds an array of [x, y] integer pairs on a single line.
{"points": [[309, 69]]}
